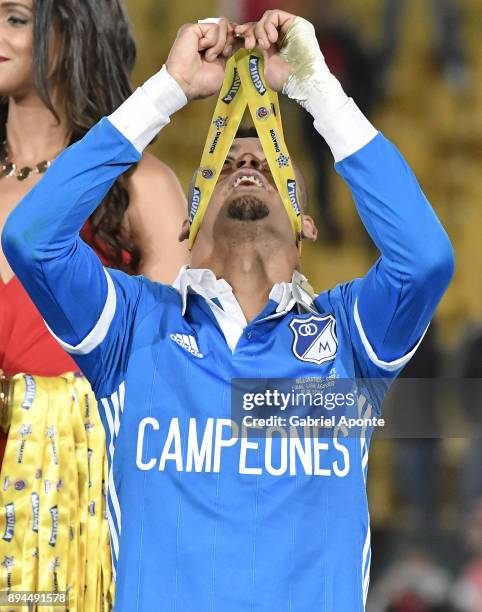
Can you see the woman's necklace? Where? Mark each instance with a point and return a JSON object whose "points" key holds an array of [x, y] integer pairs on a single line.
{"points": [[8, 168]]}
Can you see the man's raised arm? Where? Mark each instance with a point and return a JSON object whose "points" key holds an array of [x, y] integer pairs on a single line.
{"points": [[391, 307], [79, 299]]}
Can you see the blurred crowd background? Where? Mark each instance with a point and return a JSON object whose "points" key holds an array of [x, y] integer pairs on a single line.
{"points": [[415, 68]]}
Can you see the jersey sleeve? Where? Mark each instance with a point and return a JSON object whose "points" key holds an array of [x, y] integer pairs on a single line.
{"points": [[86, 306], [390, 308], [103, 354], [90, 309]]}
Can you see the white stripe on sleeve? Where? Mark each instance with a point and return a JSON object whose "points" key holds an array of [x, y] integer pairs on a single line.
{"points": [[99, 331], [390, 366]]}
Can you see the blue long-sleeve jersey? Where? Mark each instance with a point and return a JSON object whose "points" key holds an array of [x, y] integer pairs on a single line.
{"points": [[200, 517]]}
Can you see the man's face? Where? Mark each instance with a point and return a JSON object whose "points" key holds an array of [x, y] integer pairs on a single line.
{"points": [[245, 201]]}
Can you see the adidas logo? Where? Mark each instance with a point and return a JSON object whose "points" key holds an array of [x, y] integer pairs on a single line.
{"points": [[188, 343]]}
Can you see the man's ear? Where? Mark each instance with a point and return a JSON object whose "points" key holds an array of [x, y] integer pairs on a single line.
{"points": [[184, 235], [309, 231]]}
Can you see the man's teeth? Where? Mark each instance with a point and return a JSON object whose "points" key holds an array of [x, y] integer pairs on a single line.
{"points": [[248, 179]]}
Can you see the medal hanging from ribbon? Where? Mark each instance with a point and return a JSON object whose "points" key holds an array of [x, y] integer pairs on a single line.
{"points": [[244, 86]]}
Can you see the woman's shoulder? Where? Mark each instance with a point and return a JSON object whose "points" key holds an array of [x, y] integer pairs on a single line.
{"points": [[151, 170], [153, 182], [155, 216]]}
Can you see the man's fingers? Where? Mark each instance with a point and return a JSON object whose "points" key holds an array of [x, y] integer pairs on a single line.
{"points": [[242, 29], [209, 36], [213, 36], [213, 39], [246, 35], [221, 40], [249, 37], [267, 30], [232, 43], [271, 31], [250, 41], [261, 35], [279, 20], [228, 46]]}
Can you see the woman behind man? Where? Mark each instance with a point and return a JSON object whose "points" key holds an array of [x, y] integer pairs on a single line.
{"points": [[64, 64]]}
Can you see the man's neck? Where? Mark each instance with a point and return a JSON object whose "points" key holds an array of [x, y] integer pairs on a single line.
{"points": [[33, 133], [251, 269]]}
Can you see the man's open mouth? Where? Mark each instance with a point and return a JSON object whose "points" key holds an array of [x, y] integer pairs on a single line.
{"points": [[248, 180]]}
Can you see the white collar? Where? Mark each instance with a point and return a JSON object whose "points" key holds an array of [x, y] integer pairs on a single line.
{"points": [[203, 282]]}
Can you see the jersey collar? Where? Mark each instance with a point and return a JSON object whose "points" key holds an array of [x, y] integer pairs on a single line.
{"points": [[286, 295]]}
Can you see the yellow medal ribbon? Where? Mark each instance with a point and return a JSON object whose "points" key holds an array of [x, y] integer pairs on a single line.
{"points": [[53, 529], [244, 86]]}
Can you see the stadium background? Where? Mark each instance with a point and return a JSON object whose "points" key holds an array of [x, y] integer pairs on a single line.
{"points": [[427, 534]]}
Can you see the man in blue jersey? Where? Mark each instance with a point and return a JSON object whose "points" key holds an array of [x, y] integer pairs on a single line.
{"points": [[202, 518]]}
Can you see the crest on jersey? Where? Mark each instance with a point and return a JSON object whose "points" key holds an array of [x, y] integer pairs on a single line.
{"points": [[314, 339]]}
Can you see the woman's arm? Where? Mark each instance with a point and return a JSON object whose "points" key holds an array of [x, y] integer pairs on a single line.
{"points": [[155, 215]]}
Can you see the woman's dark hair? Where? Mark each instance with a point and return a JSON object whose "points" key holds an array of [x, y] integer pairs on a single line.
{"points": [[95, 59]]}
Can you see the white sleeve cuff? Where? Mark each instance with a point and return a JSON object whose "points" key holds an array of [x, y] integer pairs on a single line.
{"points": [[143, 115], [390, 366], [99, 331], [346, 130]]}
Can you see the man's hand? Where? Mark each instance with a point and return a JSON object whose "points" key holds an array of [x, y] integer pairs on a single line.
{"points": [[267, 34], [197, 59]]}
